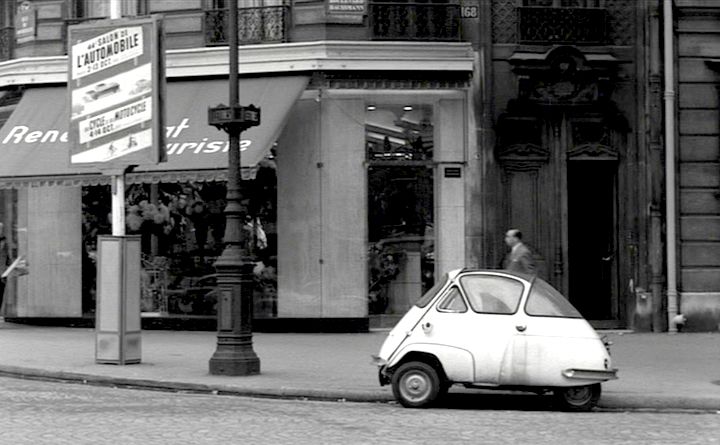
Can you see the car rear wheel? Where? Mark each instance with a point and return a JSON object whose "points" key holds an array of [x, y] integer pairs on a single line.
{"points": [[577, 398], [416, 385]]}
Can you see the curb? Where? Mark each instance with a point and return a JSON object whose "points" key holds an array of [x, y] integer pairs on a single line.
{"points": [[608, 401], [657, 402], [170, 386]]}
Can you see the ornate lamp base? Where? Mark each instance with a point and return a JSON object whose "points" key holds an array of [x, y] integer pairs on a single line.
{"points": [[240, 361]]}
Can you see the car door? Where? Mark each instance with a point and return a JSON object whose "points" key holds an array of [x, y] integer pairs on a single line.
{"points": [[446, 330], [494, 301]]}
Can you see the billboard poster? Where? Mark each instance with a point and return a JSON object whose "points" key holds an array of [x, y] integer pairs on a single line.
{"points": [[116, 89]]}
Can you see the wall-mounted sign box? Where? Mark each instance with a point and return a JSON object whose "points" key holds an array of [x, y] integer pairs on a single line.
{"points": [[25, 23], [346, 11], [453, 172]]}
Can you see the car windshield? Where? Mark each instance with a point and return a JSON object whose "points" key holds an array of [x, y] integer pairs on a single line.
{"points": [[425, 299], [545, 301]]}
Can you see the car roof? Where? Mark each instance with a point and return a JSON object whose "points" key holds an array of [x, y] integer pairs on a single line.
{"points": [[527, 277]]}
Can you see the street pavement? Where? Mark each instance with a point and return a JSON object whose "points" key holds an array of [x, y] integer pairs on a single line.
{"points": [[48, 413], [656, 371]]}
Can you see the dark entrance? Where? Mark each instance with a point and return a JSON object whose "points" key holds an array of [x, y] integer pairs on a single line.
{"points": [[591, 238]]}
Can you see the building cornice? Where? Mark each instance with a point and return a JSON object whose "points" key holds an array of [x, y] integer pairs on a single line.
{"points": [[273, 59]]}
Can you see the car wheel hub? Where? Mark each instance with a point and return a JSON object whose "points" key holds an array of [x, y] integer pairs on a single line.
{"points": [[416, 386], [578, 395]]}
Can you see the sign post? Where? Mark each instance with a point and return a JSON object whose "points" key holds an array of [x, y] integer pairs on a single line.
{"points": [[116, 90]]}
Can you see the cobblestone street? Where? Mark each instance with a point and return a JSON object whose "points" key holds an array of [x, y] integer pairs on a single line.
{"points": [[35, 412]]}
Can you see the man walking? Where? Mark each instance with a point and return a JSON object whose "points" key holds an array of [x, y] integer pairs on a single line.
{"points": [[519, 259]]}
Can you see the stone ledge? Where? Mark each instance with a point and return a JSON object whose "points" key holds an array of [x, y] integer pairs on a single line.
{"points": [[273, 59]]}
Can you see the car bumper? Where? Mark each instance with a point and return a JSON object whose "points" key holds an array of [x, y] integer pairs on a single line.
{"points": [[590, 374], [383, 376]]}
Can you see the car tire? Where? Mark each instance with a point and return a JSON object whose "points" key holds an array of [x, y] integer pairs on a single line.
{"points": [[577, 398], [416, 385]]}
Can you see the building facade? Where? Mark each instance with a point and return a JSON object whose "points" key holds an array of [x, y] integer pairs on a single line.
{"points": [[399, 140], [355, 107], [572, 161], [696, 40]]}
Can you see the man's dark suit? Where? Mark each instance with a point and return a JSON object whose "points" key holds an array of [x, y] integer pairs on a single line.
{"points": [[520, 259]]}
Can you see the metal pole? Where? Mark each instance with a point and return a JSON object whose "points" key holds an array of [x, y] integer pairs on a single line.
{"points": [[234, 354], [118, 204], [670, 209], [115, 9], [118, 181]]}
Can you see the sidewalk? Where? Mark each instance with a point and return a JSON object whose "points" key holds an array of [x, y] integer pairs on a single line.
{"points": [[657, 371]]}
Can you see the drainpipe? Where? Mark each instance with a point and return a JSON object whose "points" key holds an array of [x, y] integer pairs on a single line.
{"points": [[670, 208]]}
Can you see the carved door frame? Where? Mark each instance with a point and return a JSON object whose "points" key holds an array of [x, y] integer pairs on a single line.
{"points": [[535, 182]]}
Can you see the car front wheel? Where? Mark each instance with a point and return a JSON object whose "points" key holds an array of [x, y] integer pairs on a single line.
{"points": [[578, 398], [416, 385]]}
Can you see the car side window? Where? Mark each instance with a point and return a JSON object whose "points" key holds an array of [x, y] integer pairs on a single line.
{"points": [[492, 294], [430, 294], [453, 302], [545, 301]]}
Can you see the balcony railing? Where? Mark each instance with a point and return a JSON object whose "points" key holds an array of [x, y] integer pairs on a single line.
{"points": [[415, 21], [562, 25], [7, 43], [268, 24]]}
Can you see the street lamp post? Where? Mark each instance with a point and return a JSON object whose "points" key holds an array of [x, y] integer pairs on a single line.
{"points": [[234, 354]]}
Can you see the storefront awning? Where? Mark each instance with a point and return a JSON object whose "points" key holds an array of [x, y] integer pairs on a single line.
{"points": [[34, 147]]}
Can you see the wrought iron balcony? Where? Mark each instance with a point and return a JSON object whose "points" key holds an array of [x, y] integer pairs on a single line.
{"points": [[266, 24], [562, 25], [415, 21], [7, 43]]}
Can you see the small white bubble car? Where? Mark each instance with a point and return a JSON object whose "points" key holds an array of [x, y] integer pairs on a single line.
{"points": [[492, 329]]}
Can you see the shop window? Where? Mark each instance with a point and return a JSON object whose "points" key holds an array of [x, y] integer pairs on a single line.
{"points": [[8, 249], [399, 149], [182, 226]]}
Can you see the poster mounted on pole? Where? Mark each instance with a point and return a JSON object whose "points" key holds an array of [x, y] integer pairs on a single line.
{"points": [[116, 89]]}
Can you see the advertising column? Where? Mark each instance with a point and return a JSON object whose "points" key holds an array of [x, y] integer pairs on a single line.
{"points": [[116, 93]]}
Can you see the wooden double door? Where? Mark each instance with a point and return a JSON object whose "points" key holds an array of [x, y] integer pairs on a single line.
{"points": [[562, 191]]}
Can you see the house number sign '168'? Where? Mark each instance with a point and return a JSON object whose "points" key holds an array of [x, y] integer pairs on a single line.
{"points": [[469, 12]]}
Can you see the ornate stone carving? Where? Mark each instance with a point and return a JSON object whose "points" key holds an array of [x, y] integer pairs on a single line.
{"points": [[528, 152], [593, 151], [563, 76], [519, 145]]}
